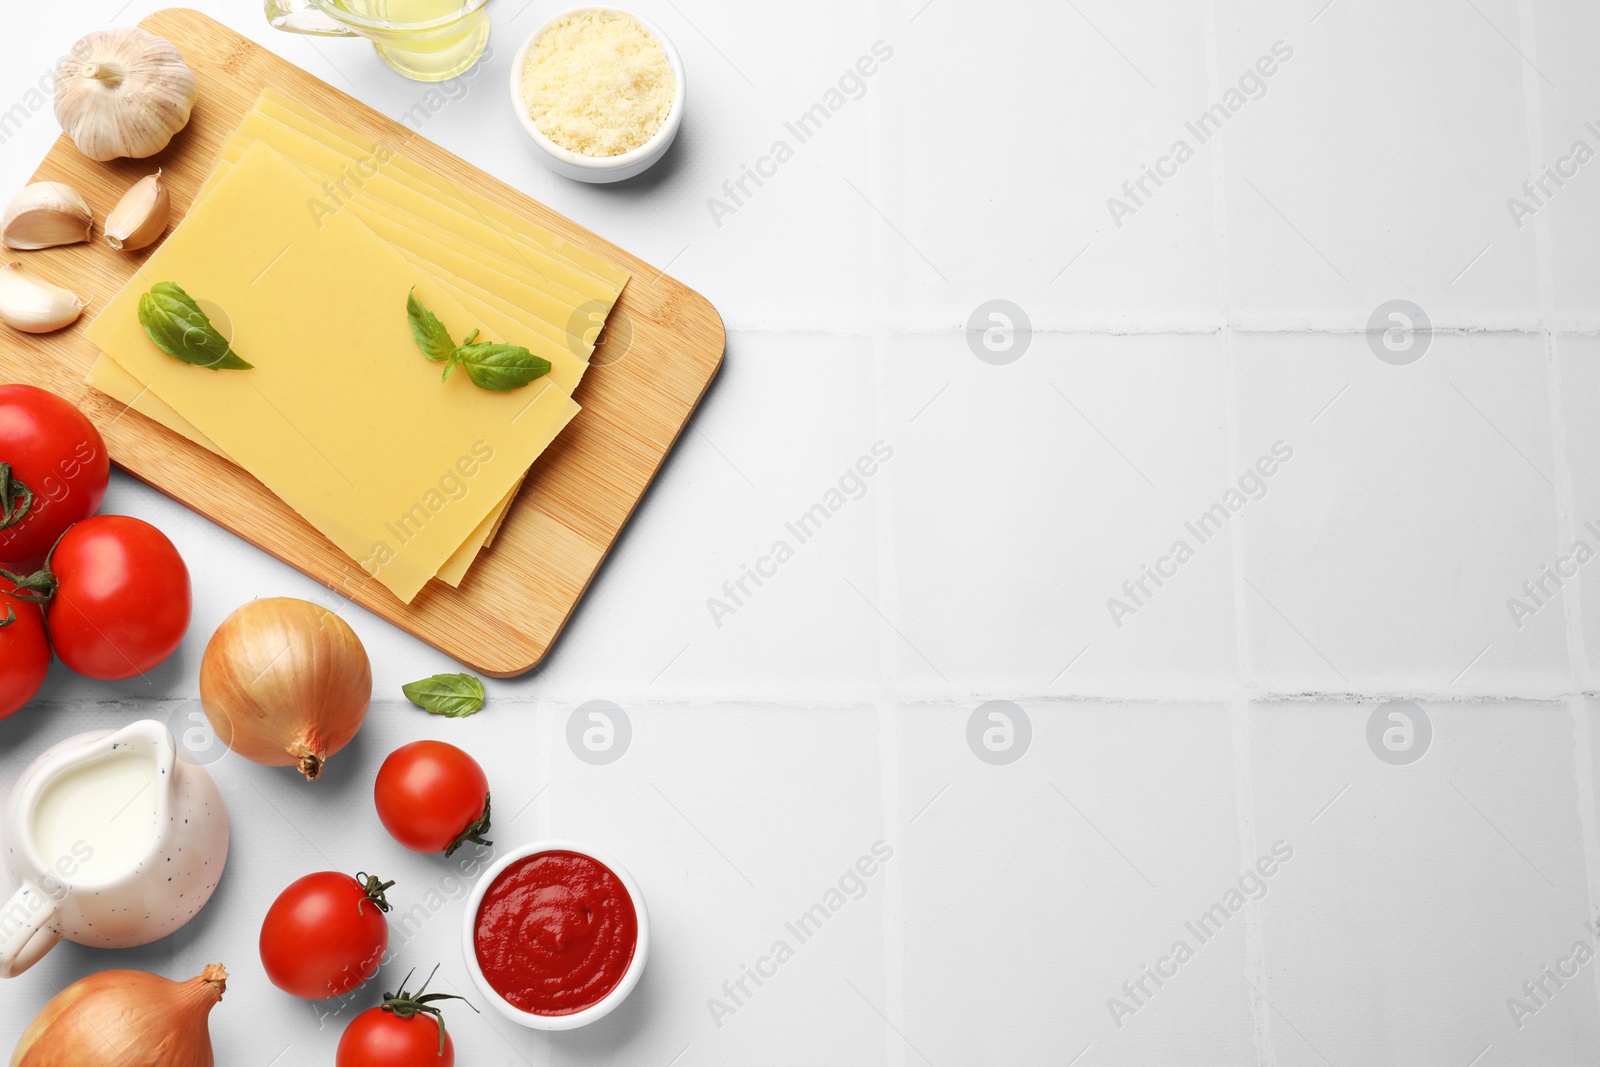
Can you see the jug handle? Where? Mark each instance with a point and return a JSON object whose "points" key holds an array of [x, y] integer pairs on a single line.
{"points": [[304, 16], [27, 944]]}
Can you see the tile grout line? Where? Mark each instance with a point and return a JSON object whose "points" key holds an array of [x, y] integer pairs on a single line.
{"points": [[885, 505], [894, 932], [1255, 970], [1228, 385], [888, 710], [885, 583], [544, 719], [1583, 775], [1566, 513], [934, 325], [955, 699], [890, 754], [1255, 948]]}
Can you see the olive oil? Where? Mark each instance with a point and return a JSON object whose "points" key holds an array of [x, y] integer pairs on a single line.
{"points": [[426, 54]]}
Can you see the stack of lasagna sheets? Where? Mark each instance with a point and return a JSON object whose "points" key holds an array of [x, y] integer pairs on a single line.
{"points": [[302, 247]]}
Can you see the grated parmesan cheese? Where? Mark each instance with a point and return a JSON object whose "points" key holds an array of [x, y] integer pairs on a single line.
{"points": [[598, 84]]}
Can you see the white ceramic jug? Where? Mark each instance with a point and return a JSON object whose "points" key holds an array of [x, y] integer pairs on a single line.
{"points": [[115, 841]]}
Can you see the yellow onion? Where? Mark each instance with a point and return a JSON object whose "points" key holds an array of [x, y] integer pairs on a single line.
{"points": [[285, 683], [125, 1019]]}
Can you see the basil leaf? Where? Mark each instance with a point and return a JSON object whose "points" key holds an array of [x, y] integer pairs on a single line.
{"points": [[455, 696], [496, 367], [177, 326], [501, 368], [429, 332]]}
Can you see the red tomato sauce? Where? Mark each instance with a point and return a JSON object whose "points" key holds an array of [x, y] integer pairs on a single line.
{"points": [[555, 933]]}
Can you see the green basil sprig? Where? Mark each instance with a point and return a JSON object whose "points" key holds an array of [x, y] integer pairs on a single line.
{"points": [[179, 328], [499, 368], [455, 696]]}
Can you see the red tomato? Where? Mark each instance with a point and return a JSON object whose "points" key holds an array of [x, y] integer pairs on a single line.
{"points": [[325, 934], [405, 1031], [57, 455], [433, 797], [122, 598], [24, 654]]}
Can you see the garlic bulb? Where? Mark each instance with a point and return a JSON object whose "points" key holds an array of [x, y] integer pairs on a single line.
{"points": [[32, 306], [123, 92], [44, 215], [140, 215], [125, 1018]]}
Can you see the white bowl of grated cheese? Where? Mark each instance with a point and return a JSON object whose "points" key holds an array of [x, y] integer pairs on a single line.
{"points": [[600, 91]]}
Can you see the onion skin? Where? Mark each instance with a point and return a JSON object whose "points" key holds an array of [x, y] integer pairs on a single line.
{"points": [[125, 1019], [285, 683]]}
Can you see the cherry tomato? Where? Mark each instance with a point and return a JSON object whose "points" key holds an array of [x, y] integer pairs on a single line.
{"points": [[404, 1031], [122, 599], [378, 1038], [325, 934], [24, 654], [432, 797], [58, 468]]}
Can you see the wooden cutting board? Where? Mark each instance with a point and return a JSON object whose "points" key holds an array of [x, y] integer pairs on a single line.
{"points": [[661, 348]]}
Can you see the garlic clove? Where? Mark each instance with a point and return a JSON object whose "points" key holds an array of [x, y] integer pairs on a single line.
{"points": [[140, 216], [123, 92], [32, 306], [44, 215]]}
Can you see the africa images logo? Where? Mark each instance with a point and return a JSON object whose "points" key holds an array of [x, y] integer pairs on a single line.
{"points": [[1399, 332], [1399, 732], [999, 732], [999, 332], [599, 732]]}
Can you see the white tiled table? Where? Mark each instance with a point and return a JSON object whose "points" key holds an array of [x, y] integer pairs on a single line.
{"points": [[773, 745]]}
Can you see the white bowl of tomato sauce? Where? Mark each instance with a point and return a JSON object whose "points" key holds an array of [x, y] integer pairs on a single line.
{"points": [[556, 935]]}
